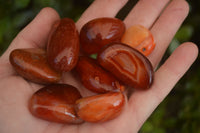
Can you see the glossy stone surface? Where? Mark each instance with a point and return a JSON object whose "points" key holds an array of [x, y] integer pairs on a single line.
{"points": [[127, 64], [101, 107], [95, 78], [32, 65], [63, 45], [55, 103], [140, 38], [99, 32]]}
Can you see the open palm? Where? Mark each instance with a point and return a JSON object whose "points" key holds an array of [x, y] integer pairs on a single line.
{"points": [[162, 17]]}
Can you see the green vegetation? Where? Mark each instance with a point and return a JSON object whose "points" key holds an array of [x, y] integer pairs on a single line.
{"points": [[178, 113]]}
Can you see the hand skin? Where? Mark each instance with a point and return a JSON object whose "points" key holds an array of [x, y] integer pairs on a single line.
{"points": [[162, 17]]}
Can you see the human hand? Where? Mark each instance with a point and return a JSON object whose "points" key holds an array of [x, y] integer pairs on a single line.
{"points": [[15, 91]]}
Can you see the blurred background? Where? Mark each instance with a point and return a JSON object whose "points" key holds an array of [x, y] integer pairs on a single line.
{"points": [[179, 112]]}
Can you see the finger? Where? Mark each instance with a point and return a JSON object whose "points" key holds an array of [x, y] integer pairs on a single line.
{"points": [[145, 12], [166, 26], [38, 30], [36, 33], [144, 102], [101, 8]]}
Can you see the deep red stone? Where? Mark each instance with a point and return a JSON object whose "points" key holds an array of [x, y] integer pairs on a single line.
{"points": [[32, 64], [63, 45], [95, 78], [99, 32], [55, 103], [127, 64]]}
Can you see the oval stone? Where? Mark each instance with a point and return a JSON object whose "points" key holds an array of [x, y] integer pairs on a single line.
{"points": [[100, 108], [127, 64], [63, 45], [55, 103], [99, 32], [32, 64], [95, 78]]}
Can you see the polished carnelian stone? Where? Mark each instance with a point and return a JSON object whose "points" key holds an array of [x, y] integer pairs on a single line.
{"points": [[95, 78], [140, 38], [101, 107], [31, 63], [99, 32], [127, 64], [63, 45], [55, 103]]}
